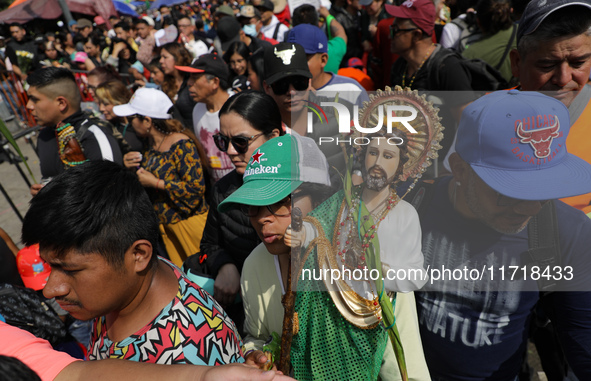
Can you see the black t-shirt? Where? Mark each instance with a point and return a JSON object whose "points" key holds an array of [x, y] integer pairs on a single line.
{"points": [[23, 54], [8, 270], [185, 104], [97, 143], [451, 74], [451, 77]]}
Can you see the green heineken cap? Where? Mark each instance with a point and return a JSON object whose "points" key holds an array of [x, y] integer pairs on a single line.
{"points": [[276, 168]]}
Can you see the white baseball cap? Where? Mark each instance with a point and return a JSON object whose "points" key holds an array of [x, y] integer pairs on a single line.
{"points": [[146, 102]]}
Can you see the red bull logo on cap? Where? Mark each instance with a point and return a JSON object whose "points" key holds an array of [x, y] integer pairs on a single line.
{"points": [[539, 132]]}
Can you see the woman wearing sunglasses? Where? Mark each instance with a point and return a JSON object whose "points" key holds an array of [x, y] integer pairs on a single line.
{"points": [[247, 120], [172, 171]]}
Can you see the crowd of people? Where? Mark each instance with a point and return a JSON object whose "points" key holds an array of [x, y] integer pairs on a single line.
{"points": [[186, 187]]}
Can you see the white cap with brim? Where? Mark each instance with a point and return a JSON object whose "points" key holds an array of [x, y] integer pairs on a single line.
{"points": [[146, 102]]}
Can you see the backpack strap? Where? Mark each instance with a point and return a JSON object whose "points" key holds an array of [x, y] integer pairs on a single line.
{"points": [[434, 62], [544, 246], [507, 48], [276, 31]]}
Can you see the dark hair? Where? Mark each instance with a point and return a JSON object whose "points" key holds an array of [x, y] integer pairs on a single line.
{"points": [[173, 125], [565, 22], [494, 16], [182, 57], [14, 369], [105, 73], [123, 25], [56, 81], [101, 207], [236, 47], [305, 14], [132, 52], [48, 76], [93, 39], [257, 63], [141, 21], [257, 108], [21, 26]]}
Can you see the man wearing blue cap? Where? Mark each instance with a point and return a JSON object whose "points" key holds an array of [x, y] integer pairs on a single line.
{"points": [[554, 54], [315, 43], [510, 167]]}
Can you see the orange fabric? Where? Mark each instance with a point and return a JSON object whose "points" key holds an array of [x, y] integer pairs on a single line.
{"points": [[358, 75], [17, 2], [578, 142], [36, 353]]}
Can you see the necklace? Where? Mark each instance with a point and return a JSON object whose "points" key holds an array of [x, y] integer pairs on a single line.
{"points": [[162, 141], [419, 68], [352, 251]]}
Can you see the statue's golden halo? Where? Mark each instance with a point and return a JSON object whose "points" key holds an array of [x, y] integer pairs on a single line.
{"points": [[422, 146]]}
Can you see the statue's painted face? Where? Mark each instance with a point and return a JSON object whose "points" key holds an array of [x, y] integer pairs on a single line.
{"points": [[381, 163]]}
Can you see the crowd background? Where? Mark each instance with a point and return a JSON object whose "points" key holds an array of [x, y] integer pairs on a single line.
{"points": [[161, 49]]}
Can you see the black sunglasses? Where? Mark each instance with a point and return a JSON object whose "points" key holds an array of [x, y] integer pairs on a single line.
{"points": [[279, 209], [240, 143], [395, 29], [299, 83]]}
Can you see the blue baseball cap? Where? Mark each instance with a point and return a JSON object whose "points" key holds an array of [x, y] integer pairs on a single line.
{"points": [[516, 142], [310, 37]]}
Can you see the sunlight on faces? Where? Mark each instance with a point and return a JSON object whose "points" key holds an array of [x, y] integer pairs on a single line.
{"points": [[107, 111], [238, 64], [90, 49], [271, 228], [200, 88], [232, 124], [167, 62], [560, 66], [87, 286], [143, 30], [45, 109]]}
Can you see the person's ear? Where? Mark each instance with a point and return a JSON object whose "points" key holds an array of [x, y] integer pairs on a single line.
{"points": [[215, 83], [142, 252], [62, 103], [459, 168], [267, 88], [515, 58], [275, 133], [324, 59]]}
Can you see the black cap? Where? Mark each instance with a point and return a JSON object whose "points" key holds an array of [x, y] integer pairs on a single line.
{"points": [[209, 64], [266, 5], [284, 60], [228, 31]]}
